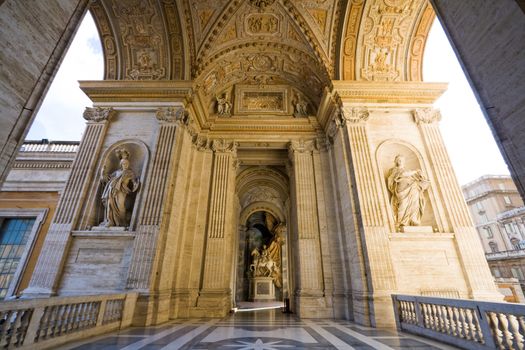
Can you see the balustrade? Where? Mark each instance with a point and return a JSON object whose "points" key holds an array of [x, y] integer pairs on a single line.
{"points": [[47, 323], [468, 324]]}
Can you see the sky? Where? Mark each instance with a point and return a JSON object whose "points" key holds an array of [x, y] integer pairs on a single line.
{"points": [[467, 137]]}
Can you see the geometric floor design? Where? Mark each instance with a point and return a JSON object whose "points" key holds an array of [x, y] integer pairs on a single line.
{"points": [[258, 330]]}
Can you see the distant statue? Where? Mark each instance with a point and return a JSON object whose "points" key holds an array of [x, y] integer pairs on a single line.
{"points": [[266, 262], [300, 106], [118, 186], [407, 188], [224, 105]]}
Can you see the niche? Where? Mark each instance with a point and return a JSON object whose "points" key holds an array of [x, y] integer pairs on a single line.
{"points": [[407, 187]]}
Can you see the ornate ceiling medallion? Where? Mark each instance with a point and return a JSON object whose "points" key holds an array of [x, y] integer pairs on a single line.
{"points": [[261, 3]]}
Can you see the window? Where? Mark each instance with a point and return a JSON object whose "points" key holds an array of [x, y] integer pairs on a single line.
{"points": [[488, 232], [18, 231], [14, 234], [507, 200], [515, 243], [493, 247], [509, 228], [479, 206], [517, 273], [496, 272]]}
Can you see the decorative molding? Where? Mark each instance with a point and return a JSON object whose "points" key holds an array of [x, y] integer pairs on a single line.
{"points": [[301, 146], [224, 146], [354, 115], [98, 114], [426, 115], [261, 4], [172, 114]]}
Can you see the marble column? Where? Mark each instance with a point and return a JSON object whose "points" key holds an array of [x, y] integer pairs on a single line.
{"points": [[309, 284], [215, 294], [50, 262]]}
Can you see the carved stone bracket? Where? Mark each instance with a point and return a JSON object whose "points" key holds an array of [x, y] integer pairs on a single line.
{"points": [[202, 143], [426, 115], [335, 123], [172, 114], [354, 115], [224, 146], [98, 114]]}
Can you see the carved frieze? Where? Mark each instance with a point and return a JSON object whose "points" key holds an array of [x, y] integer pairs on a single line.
{"points": [[224, 146], [98, 114], [261, 3]]}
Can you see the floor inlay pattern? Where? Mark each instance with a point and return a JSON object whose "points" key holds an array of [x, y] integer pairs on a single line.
{"points": [[258, 330]]}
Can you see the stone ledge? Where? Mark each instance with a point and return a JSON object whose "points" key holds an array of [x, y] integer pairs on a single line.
{"points": [[106, 234]]}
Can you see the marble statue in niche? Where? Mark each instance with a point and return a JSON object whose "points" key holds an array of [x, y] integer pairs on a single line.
{"points": [[407, 189], [266, 261], [117, 194], [224, 105]]}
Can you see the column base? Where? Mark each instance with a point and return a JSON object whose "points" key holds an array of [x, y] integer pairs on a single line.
{"points": [[212, 304], [152, 309], [313, 305], [36, 292]]}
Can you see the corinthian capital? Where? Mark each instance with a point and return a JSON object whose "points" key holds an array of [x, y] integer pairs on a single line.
{"points": [[300, 146], [98, 114], [355, 114], [171, 115], [426, 115], [223, 146]]}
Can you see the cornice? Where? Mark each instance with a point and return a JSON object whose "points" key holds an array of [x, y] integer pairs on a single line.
{"points": [[409, 93], [137, 91]]}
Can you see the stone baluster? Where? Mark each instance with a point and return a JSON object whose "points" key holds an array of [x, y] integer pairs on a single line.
{"points": [[515, 330], [496, 332], [47, 270]]}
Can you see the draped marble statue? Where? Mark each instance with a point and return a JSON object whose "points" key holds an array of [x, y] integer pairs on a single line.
{"points": [[407, 189], [117, 188]]}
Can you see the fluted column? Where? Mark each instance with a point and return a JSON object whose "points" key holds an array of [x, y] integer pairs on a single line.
{"points": [[215, 291], [469, 247], [309, 284], [155, 195], [49, 266]]}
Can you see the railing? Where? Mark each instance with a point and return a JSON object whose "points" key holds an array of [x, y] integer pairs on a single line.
{"points": [[46, 323], [507, 254], [64, 146], [467, 324]]}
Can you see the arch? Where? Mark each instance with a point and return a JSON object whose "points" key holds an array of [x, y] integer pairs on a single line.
{"points": [[383, 40], [261, 206], [141, 41]]}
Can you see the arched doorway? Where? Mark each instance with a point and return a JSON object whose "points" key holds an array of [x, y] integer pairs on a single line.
{"points": [[262, 265]]}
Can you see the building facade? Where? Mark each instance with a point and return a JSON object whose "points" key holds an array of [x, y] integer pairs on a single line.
{"points": [[28, 200], [499, 216], [239, 149]]}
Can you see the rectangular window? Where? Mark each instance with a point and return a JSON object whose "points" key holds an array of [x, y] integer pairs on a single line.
{"points": [[488, 232], [507, 200], [509, 229], [479, 206], [496, 272], [14, 233], [517, 273]]}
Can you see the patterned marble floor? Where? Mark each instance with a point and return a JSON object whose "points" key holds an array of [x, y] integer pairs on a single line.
{"points": [[258, 330]]}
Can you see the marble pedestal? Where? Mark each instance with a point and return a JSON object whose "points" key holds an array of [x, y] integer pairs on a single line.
{"points": [[262, 289]]}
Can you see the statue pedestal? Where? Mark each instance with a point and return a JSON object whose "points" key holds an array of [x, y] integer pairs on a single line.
{"points": [[417, 229], [262, 289]]}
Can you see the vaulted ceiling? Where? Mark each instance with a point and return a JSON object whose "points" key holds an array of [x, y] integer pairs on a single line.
{"points": [[299, 43]]}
